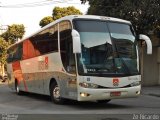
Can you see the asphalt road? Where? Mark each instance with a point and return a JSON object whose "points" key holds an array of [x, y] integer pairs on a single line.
{"points": [[32, 104]]}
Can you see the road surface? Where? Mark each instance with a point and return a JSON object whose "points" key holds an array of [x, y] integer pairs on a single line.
{"points": [[32, 104]]}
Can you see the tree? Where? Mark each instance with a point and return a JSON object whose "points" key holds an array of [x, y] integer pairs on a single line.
{"points": [[64, 11], [59, 12], [3, 54], [14, 32], [157, 30], [143, 14], [46, 21]]}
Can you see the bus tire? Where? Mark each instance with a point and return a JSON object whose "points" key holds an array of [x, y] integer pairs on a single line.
{"points": [[103, 101], [18, 91], [55, 94]]}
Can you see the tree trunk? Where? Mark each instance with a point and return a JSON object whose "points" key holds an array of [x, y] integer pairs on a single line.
{"points": [[2, 71]]}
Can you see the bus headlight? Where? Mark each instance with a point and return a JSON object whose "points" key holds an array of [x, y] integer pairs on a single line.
{"points": [[135, 83], [88, 85]]}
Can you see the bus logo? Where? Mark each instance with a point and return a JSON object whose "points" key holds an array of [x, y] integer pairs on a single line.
{"points": [[46, 62], [115, 82], [43, 63]]}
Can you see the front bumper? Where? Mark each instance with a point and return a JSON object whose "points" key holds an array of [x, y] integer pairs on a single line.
{"points": [[88, 94]]}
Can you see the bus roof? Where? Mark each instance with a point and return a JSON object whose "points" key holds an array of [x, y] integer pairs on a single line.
{"points": [[70, 18]]}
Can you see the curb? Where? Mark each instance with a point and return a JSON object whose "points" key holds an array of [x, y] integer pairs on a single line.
{"points": [[155, 95], [1, 82], [151, 91]]}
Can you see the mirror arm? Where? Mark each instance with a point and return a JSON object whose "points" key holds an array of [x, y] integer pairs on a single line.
{"points": [[76, 41], [148, 42]]}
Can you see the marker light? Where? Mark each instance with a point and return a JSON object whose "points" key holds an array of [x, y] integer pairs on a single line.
{"points": [[136, 83], [88, 85], [138, 92], [84, 94]]}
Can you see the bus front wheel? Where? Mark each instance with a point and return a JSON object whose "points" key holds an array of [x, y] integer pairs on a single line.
{"points": [[55, 94]]}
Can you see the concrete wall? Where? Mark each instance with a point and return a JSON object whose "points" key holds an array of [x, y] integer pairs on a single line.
{"points": [[159, 76], [151, 67]]}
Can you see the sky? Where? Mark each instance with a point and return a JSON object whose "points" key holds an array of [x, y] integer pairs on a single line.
{"points": [[15, 12]]}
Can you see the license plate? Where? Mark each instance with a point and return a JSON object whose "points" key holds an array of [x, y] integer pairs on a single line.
{"points": [[112, 94]]}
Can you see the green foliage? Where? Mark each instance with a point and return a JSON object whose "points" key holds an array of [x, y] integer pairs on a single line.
{"points": [[14, 32], [59, 12], [46, 21], [3, 50], [64, 11], [157, 31], [143, 14]]}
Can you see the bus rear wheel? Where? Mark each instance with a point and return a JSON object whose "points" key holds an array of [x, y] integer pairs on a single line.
{"points": [[55, 94], [17, 89], [103, 101]]}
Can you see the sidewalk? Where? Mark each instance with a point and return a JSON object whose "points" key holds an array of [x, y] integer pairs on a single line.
{"points": [[152, 91], [2, 82]]}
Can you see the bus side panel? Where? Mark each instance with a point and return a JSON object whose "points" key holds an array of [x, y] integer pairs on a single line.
{"points": [[15, 74], [32, 76], [39, 71], [68, 85], [11, 80], [67, 82]]}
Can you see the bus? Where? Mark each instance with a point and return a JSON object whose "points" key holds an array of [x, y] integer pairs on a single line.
{"points": [[79, 57]]}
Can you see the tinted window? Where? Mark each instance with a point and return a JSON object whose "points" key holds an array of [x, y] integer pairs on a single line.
{"points": [[46, 41], [28, 49], [15, 53], [108, 48], [42, 43], [89, 26], [66, 48], [120, 28]]}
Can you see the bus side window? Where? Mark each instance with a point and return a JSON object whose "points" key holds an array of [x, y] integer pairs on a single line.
{"points": [[28, 49], [18, 52], [46, 41], [66, 50], [10, 55], [14, 53]]}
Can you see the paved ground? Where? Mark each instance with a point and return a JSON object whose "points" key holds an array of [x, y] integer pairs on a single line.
{"points": [[31, 105], [152, 91]]}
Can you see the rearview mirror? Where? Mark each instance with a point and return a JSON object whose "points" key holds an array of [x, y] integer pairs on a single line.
{"points": [[76, 42], [148, 42]]}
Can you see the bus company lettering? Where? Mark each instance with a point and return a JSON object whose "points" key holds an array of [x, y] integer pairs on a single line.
{"points": [[43, 63]]}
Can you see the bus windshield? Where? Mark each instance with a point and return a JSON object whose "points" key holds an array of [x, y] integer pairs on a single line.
{"points": [[108, 48]]}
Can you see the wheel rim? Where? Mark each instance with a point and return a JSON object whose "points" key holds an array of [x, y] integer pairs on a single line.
{"points": [[56, 93], [17, 88]]}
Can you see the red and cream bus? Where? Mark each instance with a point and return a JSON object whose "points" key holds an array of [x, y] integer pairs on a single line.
{"points": [[83, 58]]}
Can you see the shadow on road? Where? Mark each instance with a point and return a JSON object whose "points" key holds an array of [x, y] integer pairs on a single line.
{"points": [[72, 103], [95, 105]]}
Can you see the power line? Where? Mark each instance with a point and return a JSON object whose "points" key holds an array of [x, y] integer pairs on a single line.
{"points": [[37, 4], [33, 4]]}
